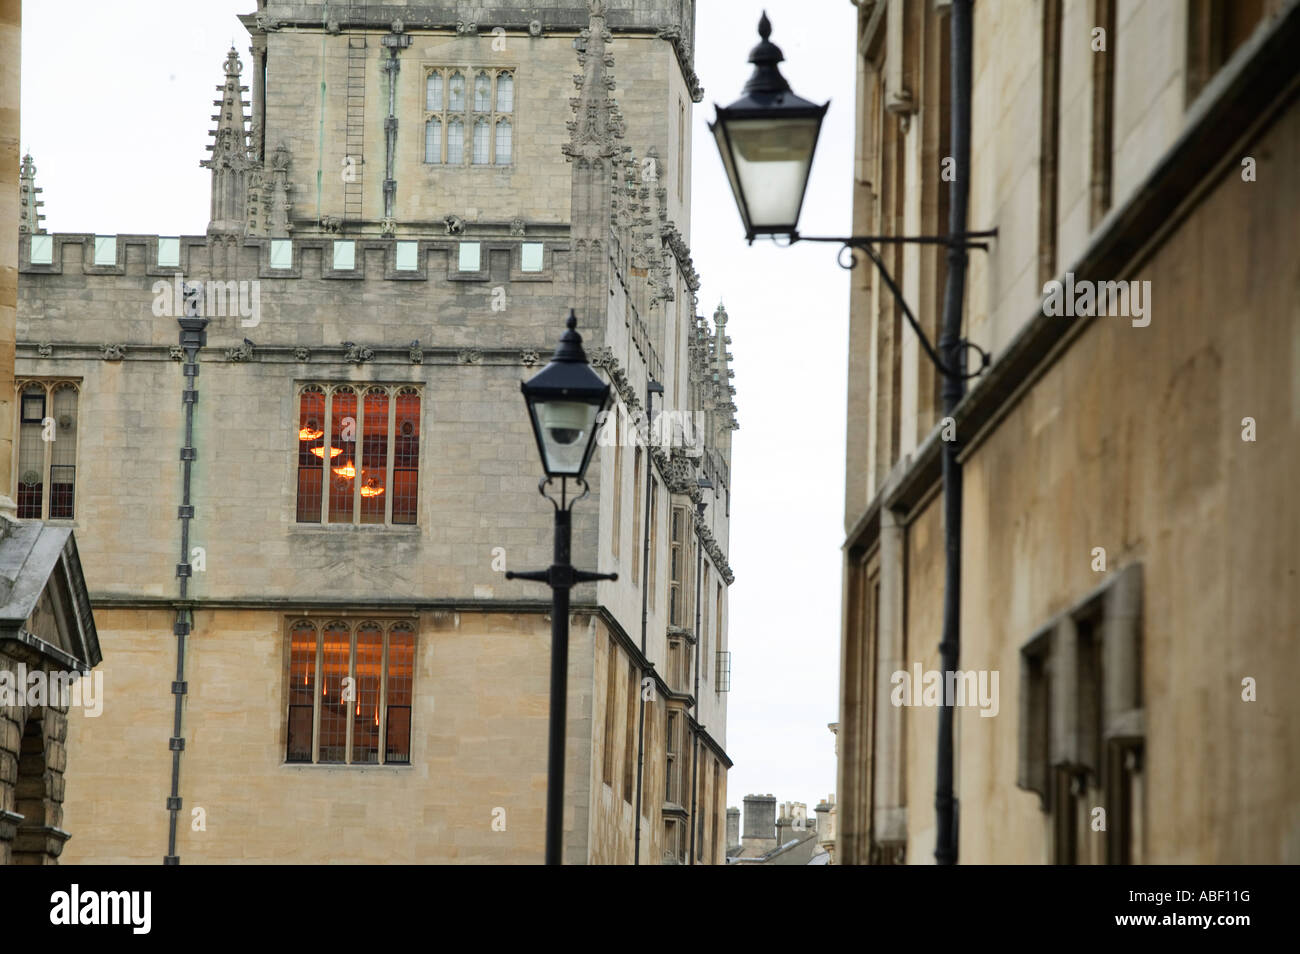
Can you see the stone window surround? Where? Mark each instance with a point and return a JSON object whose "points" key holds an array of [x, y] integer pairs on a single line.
{"points": [[678, 660], [361, 389], [468, 115], [676, 758], [51, 384], [679, 603], [611, 714], [1057, 725], [353, 621]]}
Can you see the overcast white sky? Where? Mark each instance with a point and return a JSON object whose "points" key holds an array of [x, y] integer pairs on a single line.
{"points": [[120, 154]]}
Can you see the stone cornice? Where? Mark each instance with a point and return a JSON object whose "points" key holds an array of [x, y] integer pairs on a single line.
{"points": [[676, 470], [391, 607], [672, 239], [412, 354]]}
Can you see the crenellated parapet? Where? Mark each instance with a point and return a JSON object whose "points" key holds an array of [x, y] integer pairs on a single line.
{"points": [[671, 20], [536, 257]]}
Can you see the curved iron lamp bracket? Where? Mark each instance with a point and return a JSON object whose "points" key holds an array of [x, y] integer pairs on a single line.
{"points": [[565, 502], [866, 244]]}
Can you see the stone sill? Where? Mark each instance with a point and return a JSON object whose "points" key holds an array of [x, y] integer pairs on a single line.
{"points": [[387, 766]]}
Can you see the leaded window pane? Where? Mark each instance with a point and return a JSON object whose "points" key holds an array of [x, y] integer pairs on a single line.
{"points": [[505, 143]]}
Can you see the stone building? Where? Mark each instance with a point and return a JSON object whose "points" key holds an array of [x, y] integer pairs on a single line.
{"points": [[303, 466], [1130, 527], [48, 642]]}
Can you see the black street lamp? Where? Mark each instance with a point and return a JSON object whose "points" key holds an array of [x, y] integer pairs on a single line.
{"points": [[564, 400], [767, 140]]}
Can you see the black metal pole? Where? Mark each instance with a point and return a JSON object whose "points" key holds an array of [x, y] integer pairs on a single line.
{"points": [[559, 691], [951, 350]]}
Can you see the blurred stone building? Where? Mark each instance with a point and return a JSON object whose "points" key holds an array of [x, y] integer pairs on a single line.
{"points": [[1130, 531], [777, 835], [48, 641], [299, 465]]}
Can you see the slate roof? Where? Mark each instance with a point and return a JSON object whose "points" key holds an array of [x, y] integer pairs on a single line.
{"points": [[34, 556]]}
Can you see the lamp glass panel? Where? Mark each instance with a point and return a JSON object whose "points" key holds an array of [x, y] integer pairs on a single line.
{"points": [[566, 428], [771, 160]]}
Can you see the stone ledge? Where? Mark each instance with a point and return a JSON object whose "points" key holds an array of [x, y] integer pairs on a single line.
{"points": [[9, 824], [43, 839]]}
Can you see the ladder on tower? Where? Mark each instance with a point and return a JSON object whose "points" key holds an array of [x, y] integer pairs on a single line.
{"points": [[356, 128]]}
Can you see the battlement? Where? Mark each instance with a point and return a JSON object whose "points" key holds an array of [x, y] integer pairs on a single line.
{"points": [[673, 18], [490, 256]]}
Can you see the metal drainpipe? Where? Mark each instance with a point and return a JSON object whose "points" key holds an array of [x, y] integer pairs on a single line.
{"points": [[193, 337], [951, 352], [652, 388], [391, 67], [695, 742]]}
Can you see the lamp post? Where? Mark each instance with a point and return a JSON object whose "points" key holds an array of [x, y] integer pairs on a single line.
{"points": [[767, 140], [564, 400]]}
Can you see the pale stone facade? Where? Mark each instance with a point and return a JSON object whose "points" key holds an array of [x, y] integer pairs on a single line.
{"points": [[594, 181], [1129, 529]]}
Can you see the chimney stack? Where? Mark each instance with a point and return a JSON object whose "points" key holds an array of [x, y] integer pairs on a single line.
{"points": [[793, 822], [826, 824], [733, 831], [760, 823]]}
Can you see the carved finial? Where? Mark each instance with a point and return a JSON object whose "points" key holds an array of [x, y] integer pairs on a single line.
{"points": [[596, 123], [230, 162], [29, 213], [767, 78]]}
